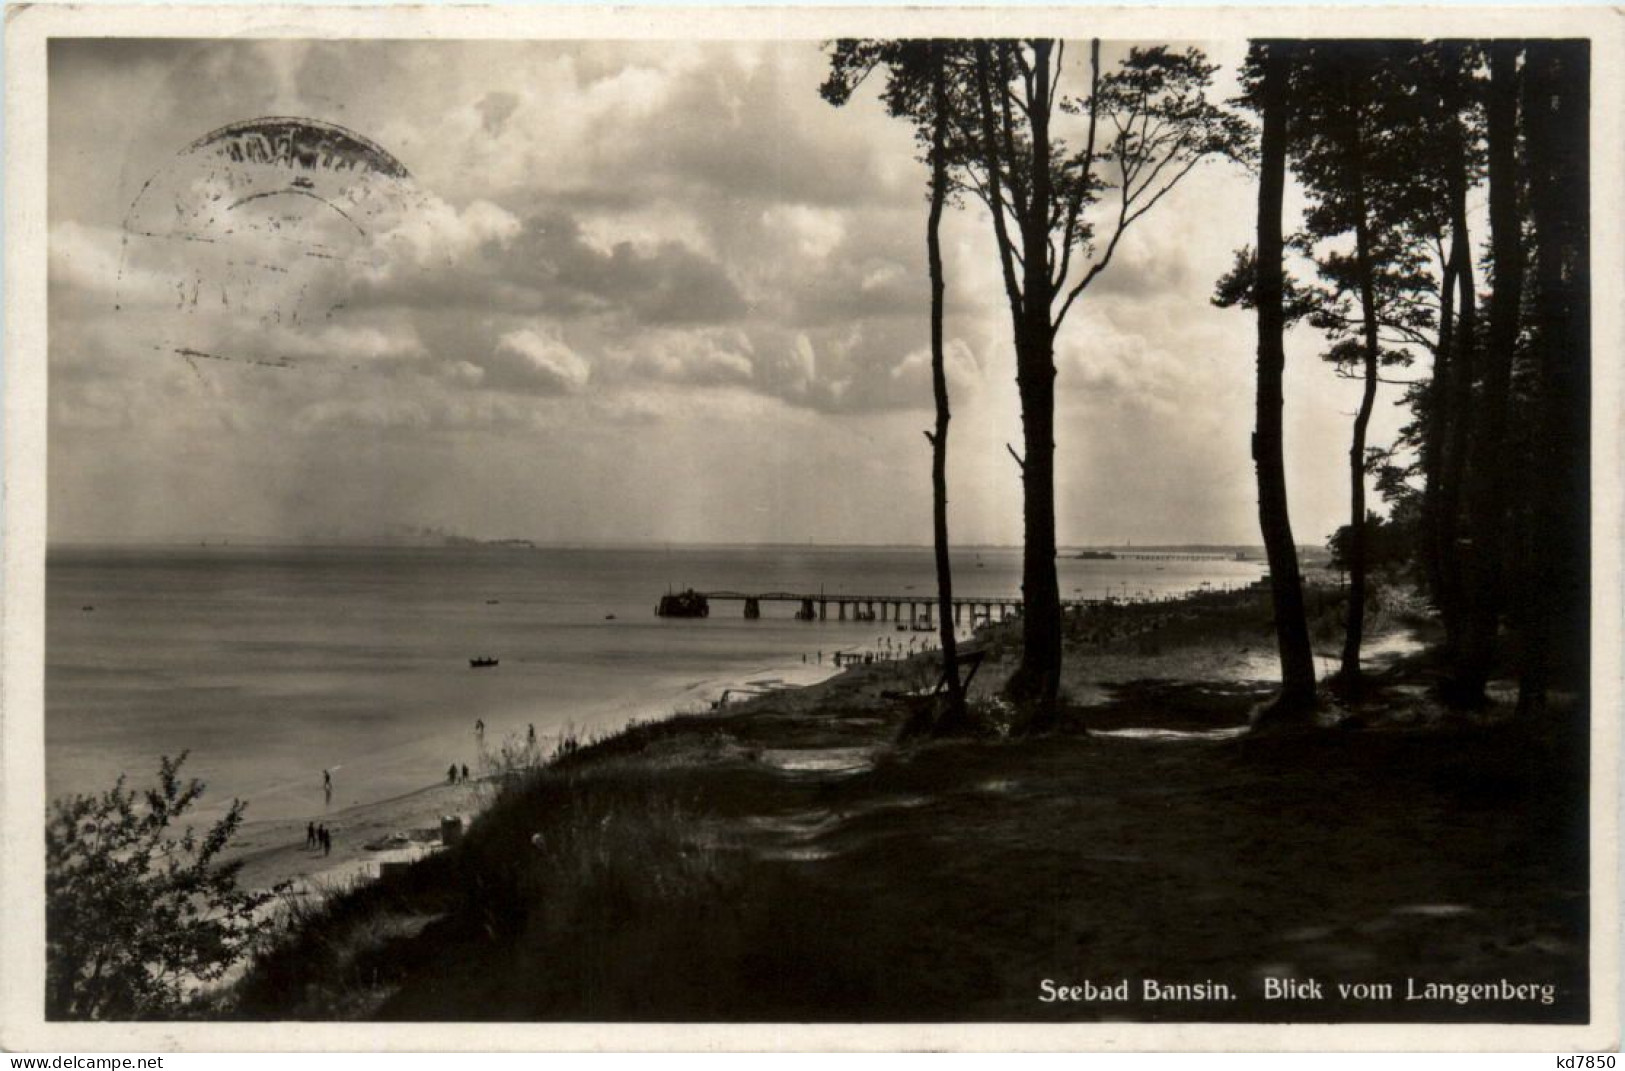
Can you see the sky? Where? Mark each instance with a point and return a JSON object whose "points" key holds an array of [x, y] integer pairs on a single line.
{"points": [[622, 292]]}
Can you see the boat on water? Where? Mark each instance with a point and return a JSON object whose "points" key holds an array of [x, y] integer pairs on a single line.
{"points": [[481, 663]]}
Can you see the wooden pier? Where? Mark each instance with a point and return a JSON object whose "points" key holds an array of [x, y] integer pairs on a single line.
{"points": [[843, 607]]}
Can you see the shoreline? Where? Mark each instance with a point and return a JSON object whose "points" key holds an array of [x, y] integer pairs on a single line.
{"points": [[272, 850]]}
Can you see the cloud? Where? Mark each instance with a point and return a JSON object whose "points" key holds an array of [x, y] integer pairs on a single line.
{"points": [[862, 367], [603, 235], [494, 109], [84, 257], [485, 258], [959, 366], [363, 413], [529, 361], [693, 358], [432, 232]]}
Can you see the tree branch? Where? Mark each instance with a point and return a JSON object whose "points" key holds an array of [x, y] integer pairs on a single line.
{"points": [[1018, 189], [1344, 373], [1075, 202], [984, 64]]}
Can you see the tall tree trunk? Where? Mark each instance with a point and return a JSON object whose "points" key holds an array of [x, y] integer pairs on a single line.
{"points": [[1037, 680], [1556, 591], [1451, 597], [1489, 455], [1036, 683], [1286, 583], [952, 716], [1449, 393], [1437, 418], [1349, 674]]}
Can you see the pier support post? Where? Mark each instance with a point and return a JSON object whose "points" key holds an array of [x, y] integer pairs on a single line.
{"points": [[823, 609], [959, 613], [913, 613], [753, 609], [841, 605]]}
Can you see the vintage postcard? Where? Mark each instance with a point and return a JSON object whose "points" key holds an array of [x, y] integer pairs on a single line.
{"points": [[475, 577]]}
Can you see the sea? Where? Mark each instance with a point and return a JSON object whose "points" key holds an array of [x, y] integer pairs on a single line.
{"points": [[269, 665]]}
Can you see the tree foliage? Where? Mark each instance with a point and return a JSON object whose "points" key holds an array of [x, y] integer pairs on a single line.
{"points": [[136, 913], [1389, 141], [1063, 176]]}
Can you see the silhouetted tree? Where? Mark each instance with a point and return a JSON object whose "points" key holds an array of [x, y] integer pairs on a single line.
{"points": [[1143, 128], [1489, 461], [918, 89], [954, 716], [1555, 593], [1387, 544], [1268, 75], [1357, 144], [1443, 403]]}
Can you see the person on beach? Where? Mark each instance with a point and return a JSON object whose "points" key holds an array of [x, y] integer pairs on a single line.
{"points": [[327, 841], [532, 737], [465, 772], [451, 774], [310, 834], [479, 726]]}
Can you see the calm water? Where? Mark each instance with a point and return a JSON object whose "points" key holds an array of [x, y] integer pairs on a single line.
{"points": [[271, 664]]}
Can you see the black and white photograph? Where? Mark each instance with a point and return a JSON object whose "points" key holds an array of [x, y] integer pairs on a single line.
{"points": [[881, 520]]}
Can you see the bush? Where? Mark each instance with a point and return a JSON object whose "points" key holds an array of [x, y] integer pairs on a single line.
{"points": [[135, 917]]}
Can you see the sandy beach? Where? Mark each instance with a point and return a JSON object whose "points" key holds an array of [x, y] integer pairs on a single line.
{"points": [[273, 851]]}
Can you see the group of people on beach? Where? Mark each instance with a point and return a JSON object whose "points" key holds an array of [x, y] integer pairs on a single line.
{"points": [[319, 836], [455, 773], [479, 730], [885, 650]]}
